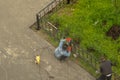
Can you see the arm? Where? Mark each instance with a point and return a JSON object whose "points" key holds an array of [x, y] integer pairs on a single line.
{"points": [[61, 43], [113, 64]]}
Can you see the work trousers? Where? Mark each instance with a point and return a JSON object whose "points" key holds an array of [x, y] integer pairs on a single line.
{"points": [[104, 77]]}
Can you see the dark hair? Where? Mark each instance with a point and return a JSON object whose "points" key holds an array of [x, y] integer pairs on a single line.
{"points": [[102, 59], [64, 37], [64, 47]]}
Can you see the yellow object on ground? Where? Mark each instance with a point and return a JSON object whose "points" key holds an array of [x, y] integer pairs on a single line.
{"points": [[37, 59]]}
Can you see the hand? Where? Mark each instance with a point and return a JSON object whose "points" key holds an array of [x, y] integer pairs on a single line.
{"points": [[97, 72]]}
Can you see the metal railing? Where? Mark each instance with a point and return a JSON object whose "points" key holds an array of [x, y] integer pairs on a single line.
{"points": [[51, 7], [86, 56]]}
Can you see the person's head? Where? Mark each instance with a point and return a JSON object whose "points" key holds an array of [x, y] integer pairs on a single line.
{"points": [[102, 59], [64, 37], [65, 46]]}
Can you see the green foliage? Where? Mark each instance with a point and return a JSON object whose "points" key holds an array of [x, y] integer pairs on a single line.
{"points": [[88, 21]]}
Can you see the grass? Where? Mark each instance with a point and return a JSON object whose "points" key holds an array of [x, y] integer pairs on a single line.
{"points": [[83, 21]]}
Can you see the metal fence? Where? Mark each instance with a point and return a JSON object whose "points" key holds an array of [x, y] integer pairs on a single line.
{"points": [[86, 56], [50, 8], [54, 32]]}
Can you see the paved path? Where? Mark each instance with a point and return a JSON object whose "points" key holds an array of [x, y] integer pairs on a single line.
{"points": [[19, 45]]}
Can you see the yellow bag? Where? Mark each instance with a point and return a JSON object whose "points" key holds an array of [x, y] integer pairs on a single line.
{"points": [[37, 59]]}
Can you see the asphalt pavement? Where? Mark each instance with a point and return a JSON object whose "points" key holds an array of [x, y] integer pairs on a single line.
{"points": [[19, 45]]}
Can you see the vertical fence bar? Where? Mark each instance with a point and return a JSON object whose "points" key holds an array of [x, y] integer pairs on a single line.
{"points": [[95, 64], [38, 24], [91, 59]]}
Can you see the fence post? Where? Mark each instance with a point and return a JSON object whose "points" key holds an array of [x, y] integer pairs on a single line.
{"points": [[68, 1], [38, 24]]}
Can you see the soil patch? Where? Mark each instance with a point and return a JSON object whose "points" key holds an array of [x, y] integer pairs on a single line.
{"points": [[114, 32]]}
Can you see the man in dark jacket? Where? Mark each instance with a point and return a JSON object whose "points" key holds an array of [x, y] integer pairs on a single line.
{"points": [[105, 69]]}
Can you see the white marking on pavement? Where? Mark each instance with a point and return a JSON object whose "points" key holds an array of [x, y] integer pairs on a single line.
{"points": [[11, 52], [48, 68]]}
